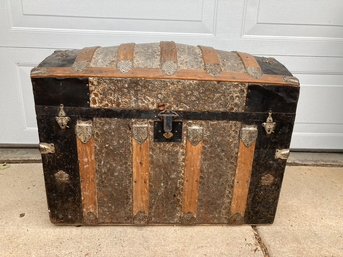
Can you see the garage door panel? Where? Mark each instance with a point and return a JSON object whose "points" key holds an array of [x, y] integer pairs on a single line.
{"points": [[305, 35], [304, 18], [194, 16], [18, 119]]}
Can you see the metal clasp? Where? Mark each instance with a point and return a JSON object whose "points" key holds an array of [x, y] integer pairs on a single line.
{"points": [[282, 154], [62, 119], [47, 148], [269, 125], [167, 118]]}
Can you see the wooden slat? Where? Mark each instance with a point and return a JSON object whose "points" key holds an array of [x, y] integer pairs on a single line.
{"points": [[191, 178], [141, 169], [194, 148], [242, 179], [209, 55], [87, 168], [125, 57], [211, 60], [66, 72], [126, 52], [168, 57], [251, 65], [84, 58], [168, 51]]}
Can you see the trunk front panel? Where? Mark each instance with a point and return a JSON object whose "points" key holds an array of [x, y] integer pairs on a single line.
{"points": [[117, 181]]}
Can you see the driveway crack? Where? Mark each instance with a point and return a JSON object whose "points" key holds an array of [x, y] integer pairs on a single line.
{"points": [[260, 242]]}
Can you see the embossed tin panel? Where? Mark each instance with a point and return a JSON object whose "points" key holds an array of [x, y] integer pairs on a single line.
{"points": [[218, 169], [174, 94], [114, 170]]}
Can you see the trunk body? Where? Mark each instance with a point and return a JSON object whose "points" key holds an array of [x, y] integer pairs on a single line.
{"points": [[163, 134]]}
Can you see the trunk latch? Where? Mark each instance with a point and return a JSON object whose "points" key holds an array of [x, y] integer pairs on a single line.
{"points": [[168, 130]]}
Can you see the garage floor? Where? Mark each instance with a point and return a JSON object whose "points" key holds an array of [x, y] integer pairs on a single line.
{"points": [[309, 222]]}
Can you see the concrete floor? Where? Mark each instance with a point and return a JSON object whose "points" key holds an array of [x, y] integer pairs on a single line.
{"points": [[309, 222]]}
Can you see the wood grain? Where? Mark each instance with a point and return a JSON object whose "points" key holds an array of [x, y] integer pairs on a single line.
{"points": [[141, 164], [211, 60], [84, 58], [251, 65], [191, 178], [66, 72], [126, 52], [209, 55], [87, 168], [242, 182], [168, 52]]}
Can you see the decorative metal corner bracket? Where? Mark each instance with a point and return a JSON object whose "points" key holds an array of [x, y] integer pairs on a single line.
{"points": [[84, 130], [46, 148], [169, 67], [140, 132], [249, 135], [213, 69], [195, 135], [62, 119], [125, 66], [269, 125], [282, 154]]}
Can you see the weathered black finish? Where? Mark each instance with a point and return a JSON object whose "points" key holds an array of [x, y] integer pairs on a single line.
{"points": [[60, 58], [272, 66], [64, 197], [262, 98], [267, 173], [88, 113], [52, 91]]}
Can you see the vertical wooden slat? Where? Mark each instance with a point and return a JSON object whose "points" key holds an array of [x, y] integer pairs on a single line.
{"points": [[192, 178], [140, 154], [251, 65], [243, 173], [87, 167]]}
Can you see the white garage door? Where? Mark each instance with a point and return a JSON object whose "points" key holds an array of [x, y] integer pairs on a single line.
{"points": [[306, 35]]}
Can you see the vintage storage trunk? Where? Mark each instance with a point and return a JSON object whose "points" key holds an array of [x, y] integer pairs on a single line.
{"points": [[163, 133]]}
